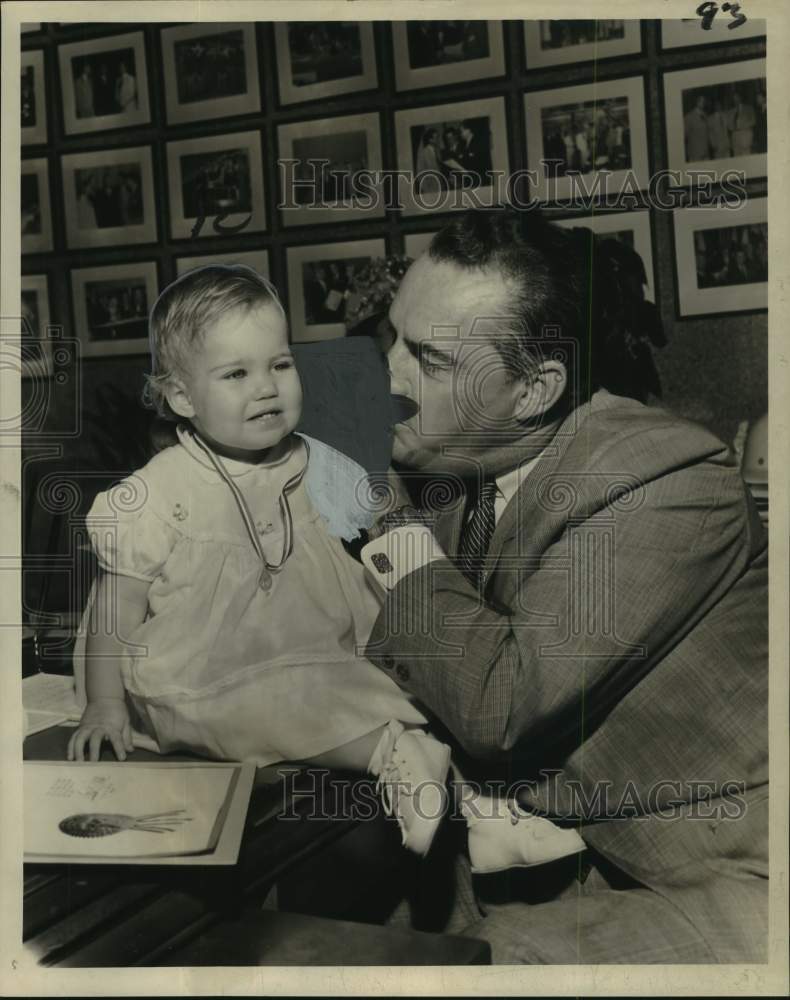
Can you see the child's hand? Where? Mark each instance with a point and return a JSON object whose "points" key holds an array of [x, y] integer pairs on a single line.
{"points": [[103, 719]]}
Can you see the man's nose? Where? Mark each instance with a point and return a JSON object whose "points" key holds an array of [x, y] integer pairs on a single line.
{"points": [[397, 362]]}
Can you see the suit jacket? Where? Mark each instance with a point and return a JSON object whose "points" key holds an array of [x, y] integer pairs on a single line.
{"points": [[619, 659]]}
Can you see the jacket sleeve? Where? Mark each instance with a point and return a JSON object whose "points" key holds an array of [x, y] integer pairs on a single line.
{"points": [[578, 625]]}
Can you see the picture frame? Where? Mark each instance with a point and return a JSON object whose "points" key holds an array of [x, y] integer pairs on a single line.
{"points": [[721, 259], [415, 244], [564, 125], [438, 145], [349, 144], [210, 71], [35, 206], [33, 97], [557, 43], [424, 55], [218, 178], [714, 119], [617, 225], [108, 197], [686, 31], [100, 90], [36, 345], [111, 307], [258, 260], [309, 70], [316, 297]]}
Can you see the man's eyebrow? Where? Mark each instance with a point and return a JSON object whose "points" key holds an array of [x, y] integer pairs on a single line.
{"points": [[424, 351]]}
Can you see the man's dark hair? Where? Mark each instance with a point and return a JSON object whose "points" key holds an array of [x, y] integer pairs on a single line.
{"points": [[569, 286]]}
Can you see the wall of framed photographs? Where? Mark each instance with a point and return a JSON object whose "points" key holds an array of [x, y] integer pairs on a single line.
{"points": [[134, 133]]}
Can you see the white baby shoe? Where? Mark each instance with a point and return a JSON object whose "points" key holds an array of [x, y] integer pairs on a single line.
{"points": [[502, 836], [411, 767]]}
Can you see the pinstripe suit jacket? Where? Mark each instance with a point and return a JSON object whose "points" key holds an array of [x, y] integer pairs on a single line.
{"points": [[619, 660]]}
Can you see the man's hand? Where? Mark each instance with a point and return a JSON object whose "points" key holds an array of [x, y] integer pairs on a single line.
{"points": [[103, 719]]}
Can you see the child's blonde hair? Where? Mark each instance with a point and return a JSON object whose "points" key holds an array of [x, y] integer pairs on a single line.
{"points": [[185, 310]]}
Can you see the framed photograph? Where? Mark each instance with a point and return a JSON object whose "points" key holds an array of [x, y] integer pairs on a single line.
{"points": [[104, 83], [318, 59], [456, 155], [684, 31], [631, 228], [556, 43], [433, 53], [34, 203], [717, 119], [415, 244], [210, 70], [111, 307], [217, 179], [320, 167], [319, 278], [36, 347], [258, 260], [587, 133], [33, 98], [108, 198], [722, 258]]}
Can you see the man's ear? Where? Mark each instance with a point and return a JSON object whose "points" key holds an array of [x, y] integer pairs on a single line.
{"points": [[542, 391], [178, 399]]}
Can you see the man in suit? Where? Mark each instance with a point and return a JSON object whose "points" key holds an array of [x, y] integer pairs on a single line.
{"points": [[592, 621]]}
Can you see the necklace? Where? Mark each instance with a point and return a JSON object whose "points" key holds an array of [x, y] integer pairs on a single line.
{"points": [[267, 568]]}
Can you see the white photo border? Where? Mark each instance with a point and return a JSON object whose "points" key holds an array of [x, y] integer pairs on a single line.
{"points": [[258, 260], [141, 115], [631, 87], [181, 226], [694, 302], [219, 107], [753, 165], [638, 221], [406, 78], [36, 135], [39, 242], [290, 93], [80, 277], [40, 368], [538, 58], [301, 332], [487, 195], [302, 215], [684, 32], [125, 235]]}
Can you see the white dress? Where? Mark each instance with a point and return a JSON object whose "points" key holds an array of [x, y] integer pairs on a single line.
{"points": [[225, 668]]}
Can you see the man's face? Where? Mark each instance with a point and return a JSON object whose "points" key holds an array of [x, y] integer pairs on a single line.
{"points": [[444, 359]]}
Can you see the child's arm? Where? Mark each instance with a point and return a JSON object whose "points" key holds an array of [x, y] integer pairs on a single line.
{"points": [[120, 605]]}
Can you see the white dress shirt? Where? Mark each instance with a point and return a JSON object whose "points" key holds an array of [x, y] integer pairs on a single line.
{"points": [[411, 546]]}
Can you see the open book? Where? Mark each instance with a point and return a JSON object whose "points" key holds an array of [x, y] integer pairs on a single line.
{"points": [[147, 813]]}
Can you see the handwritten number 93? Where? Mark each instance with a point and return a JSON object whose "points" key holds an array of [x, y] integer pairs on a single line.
{"points": [[707, 11]]}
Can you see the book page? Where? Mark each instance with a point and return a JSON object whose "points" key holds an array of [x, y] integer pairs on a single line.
{"points": [[122, 810]]}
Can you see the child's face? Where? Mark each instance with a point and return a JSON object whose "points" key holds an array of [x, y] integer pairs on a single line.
{"points": [[243, 390]]}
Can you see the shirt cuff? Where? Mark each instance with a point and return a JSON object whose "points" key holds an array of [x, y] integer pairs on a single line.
{"points": [[400, 551]]}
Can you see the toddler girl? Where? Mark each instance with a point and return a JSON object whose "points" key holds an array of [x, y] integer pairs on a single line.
{"points": [[236, 614]]}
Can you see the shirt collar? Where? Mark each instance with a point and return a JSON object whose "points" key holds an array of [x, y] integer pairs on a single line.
{"points": [[509, 482], [234, 468]]}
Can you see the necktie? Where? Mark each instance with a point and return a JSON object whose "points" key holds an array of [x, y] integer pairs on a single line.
{"points": [[476, 536]]}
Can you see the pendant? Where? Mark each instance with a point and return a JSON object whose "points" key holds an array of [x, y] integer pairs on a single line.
{"points": [[265, 580]]}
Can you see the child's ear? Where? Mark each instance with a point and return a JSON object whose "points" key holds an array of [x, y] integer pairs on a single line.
{"points": [[178, 399]]}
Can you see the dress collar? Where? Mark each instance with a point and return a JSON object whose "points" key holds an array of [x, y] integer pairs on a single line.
{"points": [[234, 467]]}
